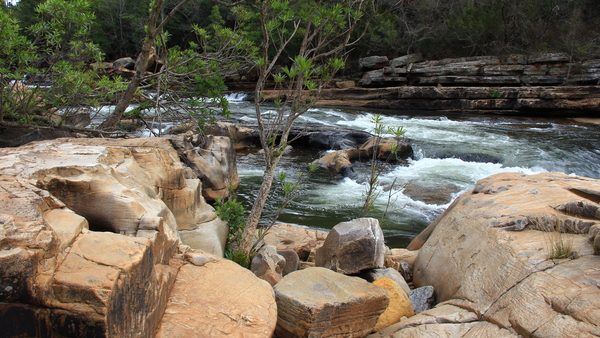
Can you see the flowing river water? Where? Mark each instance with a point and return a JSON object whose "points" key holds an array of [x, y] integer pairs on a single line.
{"points": [[452, 152]]}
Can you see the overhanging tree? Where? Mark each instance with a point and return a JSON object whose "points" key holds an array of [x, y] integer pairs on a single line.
{"points": [[154, 29], [319, 32]]}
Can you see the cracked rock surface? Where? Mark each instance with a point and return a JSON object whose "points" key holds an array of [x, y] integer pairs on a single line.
{"points": [[493, 253]]}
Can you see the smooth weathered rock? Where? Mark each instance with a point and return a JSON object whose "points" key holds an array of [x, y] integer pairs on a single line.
{"points": [[422, 298], [244, 139], [61, 275], [290, 237], [318, 302], [292, 261], [126, 62], [212, 158], [406, 60], [219, 299], [384, 78], [384, 149], [499, 237], [268, 265], [444, 321], [399, 306], [340, 161], [373, 62], [404, 255], [209, 236], [330, 140], [393, 274], [387, 149], [353, 246]]}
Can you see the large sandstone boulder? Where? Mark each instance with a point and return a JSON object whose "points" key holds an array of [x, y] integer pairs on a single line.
{"points": [[88, 233], [340, 161], [318, 302], [212, 159], [494, 252], [214, 297], [244, 139], [351, 247]]}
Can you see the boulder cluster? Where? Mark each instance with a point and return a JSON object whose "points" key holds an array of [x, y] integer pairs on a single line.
{"points": [[115, 238]]}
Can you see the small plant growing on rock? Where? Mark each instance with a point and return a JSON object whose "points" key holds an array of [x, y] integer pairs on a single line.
{"points": [[233, 212], [494, 93], [558, 244], [371, 192]]}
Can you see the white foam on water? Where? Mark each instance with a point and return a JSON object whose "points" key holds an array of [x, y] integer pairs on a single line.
{"points": [[236, 97]]}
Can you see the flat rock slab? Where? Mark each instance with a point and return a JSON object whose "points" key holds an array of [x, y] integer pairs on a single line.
{"points": [[219, 299], [317, 302]]}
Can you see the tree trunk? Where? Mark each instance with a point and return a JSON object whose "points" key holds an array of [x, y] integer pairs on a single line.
{"points": [[140, 69], [257, 208]]}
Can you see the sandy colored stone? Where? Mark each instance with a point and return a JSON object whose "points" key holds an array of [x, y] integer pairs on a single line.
{"points": [[391, 273], [317, 302], [209, 236], [268, 264], [213, 163], [354, 246], [398, 307], [404, 255], [290, 237], [486, 254], [219, 299], [114, 282], [443, 321]]}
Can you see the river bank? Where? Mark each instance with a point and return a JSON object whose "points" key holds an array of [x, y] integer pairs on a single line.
{"points": [[546, 84]]}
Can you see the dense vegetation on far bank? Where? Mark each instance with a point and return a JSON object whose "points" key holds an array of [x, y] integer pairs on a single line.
{"points": [[438, 29]]}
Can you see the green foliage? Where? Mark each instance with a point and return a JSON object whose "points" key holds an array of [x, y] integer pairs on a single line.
{"points": [[560, 247], [240, 257], [494, 93], [16, 51], [59, 55], [64, 29], [232, 212], [372, 191], [441, 29], [559, 244]]}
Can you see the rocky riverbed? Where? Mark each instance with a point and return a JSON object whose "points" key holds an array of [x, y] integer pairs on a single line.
{"points": [[114, 238]]}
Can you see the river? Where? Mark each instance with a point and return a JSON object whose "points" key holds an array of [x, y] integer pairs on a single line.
{"points": [[452, 152]]}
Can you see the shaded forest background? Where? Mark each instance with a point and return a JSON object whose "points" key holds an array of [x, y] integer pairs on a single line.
{"points": [[438, 29]]}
